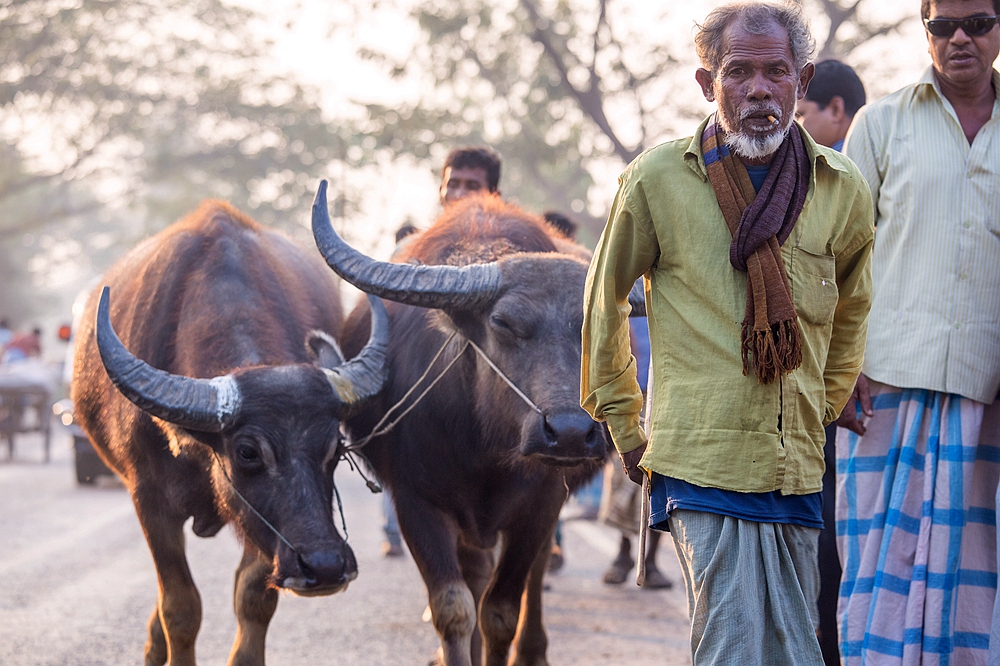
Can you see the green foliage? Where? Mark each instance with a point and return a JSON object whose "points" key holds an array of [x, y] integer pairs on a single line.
{"points": [[121, 115]]}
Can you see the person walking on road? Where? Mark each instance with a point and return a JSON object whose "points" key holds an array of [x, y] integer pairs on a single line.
{"points": [[755, 246], [621, 499], [467, 169], [918, 462]]}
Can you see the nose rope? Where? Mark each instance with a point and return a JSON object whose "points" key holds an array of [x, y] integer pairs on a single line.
{"points": [[340, 507], [232, 486], [355, 466], [255, 512], [381, 428], [378, 430], [504, 377]]}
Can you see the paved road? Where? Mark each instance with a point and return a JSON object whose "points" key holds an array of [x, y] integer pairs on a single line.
{"points": [[77, 586]]}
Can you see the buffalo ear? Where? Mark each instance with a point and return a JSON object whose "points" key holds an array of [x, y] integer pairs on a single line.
{"points": [[324, 350]]}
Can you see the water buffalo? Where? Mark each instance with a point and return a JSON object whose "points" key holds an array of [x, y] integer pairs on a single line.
{"points": [[473, 465], [228, 417]]}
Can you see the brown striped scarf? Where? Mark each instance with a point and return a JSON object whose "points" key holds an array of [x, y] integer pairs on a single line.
{"points": [[761, 222]]}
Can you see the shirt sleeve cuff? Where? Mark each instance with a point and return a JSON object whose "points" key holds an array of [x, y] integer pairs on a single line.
{"points": [[625, 431], [831, 415]]}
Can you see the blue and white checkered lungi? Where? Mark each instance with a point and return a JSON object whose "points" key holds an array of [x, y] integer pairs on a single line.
{"points": [[916, 530]]}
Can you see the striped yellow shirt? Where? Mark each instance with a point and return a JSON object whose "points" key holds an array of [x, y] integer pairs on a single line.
{"points": [[935, 318]]}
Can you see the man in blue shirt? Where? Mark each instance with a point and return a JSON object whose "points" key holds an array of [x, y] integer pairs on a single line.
{"points": [[834, 96]]}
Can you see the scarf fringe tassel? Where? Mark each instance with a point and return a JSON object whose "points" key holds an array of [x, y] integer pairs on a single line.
{"points": [[771, 352]]}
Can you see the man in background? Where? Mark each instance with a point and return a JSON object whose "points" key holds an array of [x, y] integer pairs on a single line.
{"points": [[563, 224], [918, 469], [23, 346], [466, 170], [834, 97], [469, 169]]}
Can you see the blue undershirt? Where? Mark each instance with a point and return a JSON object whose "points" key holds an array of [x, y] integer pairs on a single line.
{"points": [[669, 494], [758, 174]]}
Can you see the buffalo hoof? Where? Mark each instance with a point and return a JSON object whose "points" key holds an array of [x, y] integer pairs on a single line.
{"points": [[532, 661]]}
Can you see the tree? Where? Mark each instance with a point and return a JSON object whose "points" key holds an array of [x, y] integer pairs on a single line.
{"points": [[848, 27], [536, 87], [120, 115], [564, 89]]}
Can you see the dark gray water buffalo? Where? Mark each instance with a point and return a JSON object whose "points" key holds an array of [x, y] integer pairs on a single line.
{"points": [[227, 417], [473, 465]]}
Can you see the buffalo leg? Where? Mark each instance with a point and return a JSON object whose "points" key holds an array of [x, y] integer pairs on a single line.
{"points": [[254, 602], [531, 642], [477, 567], [178, 602], [156, 644], [433, 543], [524, 543]]}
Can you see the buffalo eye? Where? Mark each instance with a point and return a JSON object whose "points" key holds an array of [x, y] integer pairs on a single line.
{"points": [[247, 455], [500, 323]]}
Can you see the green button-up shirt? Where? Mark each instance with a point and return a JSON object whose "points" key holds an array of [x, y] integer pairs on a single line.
{"points": [[710, 425]]}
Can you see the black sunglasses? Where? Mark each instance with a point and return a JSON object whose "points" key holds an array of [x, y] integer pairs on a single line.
{"points": [[977, 26]]}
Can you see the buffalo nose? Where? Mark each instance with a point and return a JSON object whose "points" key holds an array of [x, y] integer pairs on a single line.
{"points": [[326, 568], [574, 435]]}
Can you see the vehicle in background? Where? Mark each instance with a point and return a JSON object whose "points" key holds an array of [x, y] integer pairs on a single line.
{"points": [[88, 464]]}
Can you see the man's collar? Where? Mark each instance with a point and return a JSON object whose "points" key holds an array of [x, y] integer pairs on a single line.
{"points": [[694, 158], [930, 82]]}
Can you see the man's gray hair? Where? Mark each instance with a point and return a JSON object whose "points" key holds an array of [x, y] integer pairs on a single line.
{"points": [[756, 18]]}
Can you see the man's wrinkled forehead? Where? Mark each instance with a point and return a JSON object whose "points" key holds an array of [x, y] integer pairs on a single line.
{"points": [[771, 46]]}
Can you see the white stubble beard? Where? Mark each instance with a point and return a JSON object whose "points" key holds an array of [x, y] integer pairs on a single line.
{"points": [[755, 148]]}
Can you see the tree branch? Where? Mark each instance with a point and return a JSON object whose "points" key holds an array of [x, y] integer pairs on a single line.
{"points": [[590, 100]]}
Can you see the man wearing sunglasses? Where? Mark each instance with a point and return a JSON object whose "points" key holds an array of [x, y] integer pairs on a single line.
{"points": [[917, 454]]}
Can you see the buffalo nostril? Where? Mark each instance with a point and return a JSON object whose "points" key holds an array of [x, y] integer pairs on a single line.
{"points": [[550, 433], [596, 440], [307, 571]]}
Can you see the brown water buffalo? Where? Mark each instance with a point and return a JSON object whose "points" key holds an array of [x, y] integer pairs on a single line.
{"points": [[473, 465], [226, 417]]}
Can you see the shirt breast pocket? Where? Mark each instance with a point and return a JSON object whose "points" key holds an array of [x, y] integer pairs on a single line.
{"points": [[814, 286]]}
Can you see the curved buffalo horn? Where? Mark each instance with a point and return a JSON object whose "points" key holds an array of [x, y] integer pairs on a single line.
{"points": [[208, 405], [637, 299], [364, 375], [448, 287]]}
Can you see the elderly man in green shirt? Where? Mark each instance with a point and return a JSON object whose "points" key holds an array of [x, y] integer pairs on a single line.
{"points": [[755, 246]]}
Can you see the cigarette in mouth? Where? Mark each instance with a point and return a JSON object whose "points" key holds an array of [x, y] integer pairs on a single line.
{"points": [[772, 119]]}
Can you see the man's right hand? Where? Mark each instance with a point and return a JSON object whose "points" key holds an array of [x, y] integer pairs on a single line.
{"points": [[630, 461], [848, 418]]}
